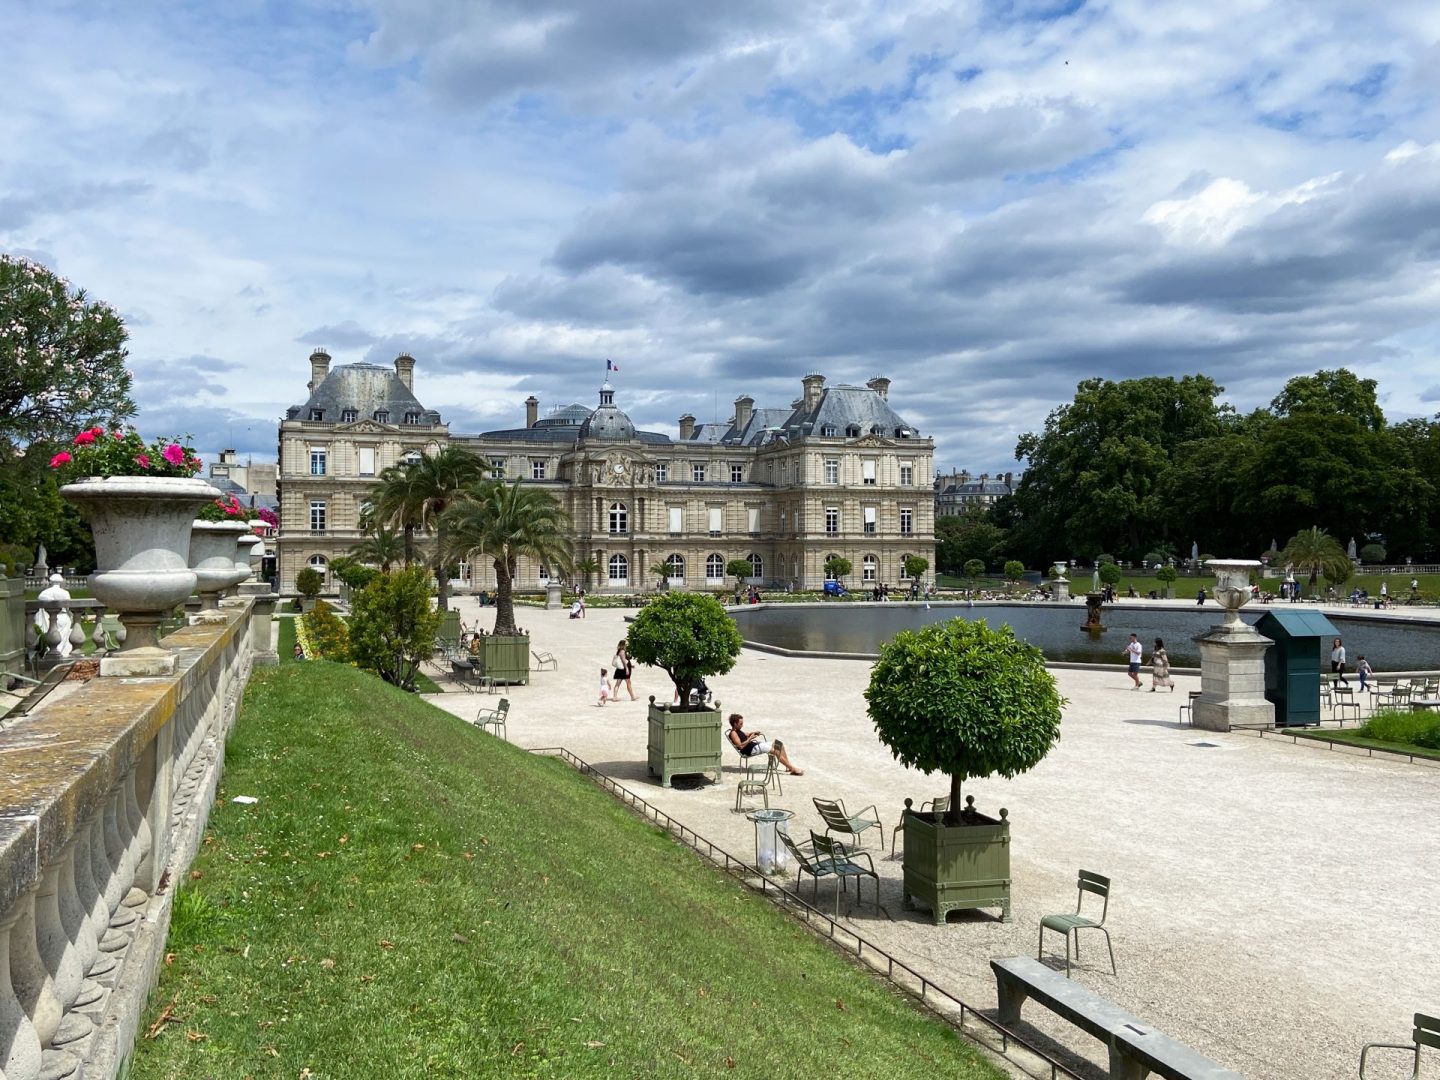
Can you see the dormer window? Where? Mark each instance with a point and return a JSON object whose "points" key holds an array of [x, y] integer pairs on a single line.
{"points": [[317, 414], [412, 418], [349, 416], [853, 431], [382, 416], [828, 431]]}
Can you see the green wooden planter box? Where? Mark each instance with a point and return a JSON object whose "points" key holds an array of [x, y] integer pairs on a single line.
{"points": [[12, 627], [682, 743], [958, 867], [505, 658]]}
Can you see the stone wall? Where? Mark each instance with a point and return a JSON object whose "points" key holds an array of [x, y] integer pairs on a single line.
{"points": [[104, 795]]}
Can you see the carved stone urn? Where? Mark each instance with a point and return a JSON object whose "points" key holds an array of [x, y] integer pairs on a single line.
{"points": [[212, 557]]}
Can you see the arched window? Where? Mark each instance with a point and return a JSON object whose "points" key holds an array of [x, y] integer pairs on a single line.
{"points": [[829, 574], [675, 568], [619, 570], [715, 569], [757, 565], [619, 518], [869, 568], [321, 565]]}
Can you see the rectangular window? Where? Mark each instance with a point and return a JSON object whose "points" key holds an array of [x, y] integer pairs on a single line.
{"points": [[317, 414], [317, 462], [367, 460], [752, 516], [867, 471], [677, 519], [832, 470], [537, 468], [317, 515], [907, 473], [907, 521], [869, 521], [697, 472], [737, 474], [832, 521], [717, 520], [497, 468], [662, 472]]}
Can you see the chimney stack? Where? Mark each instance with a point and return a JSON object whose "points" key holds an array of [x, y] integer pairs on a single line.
{"points": [[1010, 480], [405, 369], [319, 368], [227, 457], [687, 427], [744, 409], [881, 386], [813, 383], [532, 410]]}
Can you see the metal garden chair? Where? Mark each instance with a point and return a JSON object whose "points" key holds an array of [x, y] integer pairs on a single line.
{"points": [[838, 819], [750, 787], [1188, 709], [1426, 1033], [1071, 925], [489, 718], [832, 855], [935, 806]]}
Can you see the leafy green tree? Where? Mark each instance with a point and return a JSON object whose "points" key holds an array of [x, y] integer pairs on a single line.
{"points": [[1314, 551], [352, 572], [915, 567], [838, 567], [1372, 553], [382, 547], [415, 495], [1167, 575], [393, 627], [507, 522], [965, 700], [309, 582], [661, 570], [1014, 570], [587, 567], [962, 537], [1110, 574], [689, 635], [1332, 394], [739, 569], [973, 569]]}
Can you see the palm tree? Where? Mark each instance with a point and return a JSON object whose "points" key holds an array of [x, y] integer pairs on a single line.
{"points": [[585, 567], [382, 547], [505, 521], [661, 570], [415, 496], [1316, 552]]}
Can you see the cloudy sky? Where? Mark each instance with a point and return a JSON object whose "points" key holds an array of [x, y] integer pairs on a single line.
{"points": [[985, 201]]}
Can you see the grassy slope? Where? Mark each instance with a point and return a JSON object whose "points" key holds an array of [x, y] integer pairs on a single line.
{"points": [[411, 897], [1354, 738], [285, 647]]}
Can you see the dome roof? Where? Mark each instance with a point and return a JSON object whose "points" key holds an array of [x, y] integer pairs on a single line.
{"points": [[607, 422]]}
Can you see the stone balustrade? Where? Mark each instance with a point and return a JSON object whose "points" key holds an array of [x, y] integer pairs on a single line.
{"points": [[104, 794]]}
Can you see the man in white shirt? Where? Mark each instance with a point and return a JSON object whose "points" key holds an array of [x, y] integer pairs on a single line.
{"points": [[1133, 652]]}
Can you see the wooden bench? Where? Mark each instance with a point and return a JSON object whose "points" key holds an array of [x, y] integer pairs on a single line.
{"points": [[1135, 1049]]}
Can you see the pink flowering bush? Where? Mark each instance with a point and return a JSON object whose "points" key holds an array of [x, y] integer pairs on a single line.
{"points": [[122, 452], [225, 508]]}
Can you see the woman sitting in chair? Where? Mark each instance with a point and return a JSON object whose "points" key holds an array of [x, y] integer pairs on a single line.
{"points": [[756, 744]]}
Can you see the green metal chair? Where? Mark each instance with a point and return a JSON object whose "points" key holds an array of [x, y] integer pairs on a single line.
{"points": [[1426, 1033], [750, 787], [1071, 925], [489, 718], [834, 859], [935, 806], [838, 819], [1188, 709], [1344, 700], [544, 660]]}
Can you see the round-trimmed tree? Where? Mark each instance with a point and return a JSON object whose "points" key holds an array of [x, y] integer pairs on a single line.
{"points": [[309, 582], [966, 700], [1110, 574], [686, 634]]}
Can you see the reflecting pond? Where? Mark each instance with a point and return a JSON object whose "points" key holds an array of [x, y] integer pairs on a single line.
{"points": [[1390, 644]]}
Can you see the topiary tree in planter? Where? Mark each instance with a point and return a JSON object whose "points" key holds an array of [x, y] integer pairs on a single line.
{"points": [[1110, 574], [739, 569], [1166, 575], [308, 583], [689, 636], [969, 701], [973, 569], [915, 567], [1014, 571]]}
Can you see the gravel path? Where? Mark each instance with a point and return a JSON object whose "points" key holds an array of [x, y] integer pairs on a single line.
{"points": [[1274, 905]]}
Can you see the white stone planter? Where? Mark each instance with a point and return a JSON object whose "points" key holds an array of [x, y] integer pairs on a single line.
{"points": [[212, 557], [142, 543]]}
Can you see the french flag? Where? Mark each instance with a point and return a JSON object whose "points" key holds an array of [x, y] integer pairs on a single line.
{"points": [[610, 365]]}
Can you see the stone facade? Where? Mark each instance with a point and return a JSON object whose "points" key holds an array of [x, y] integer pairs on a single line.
{"points": [[837, 472]]}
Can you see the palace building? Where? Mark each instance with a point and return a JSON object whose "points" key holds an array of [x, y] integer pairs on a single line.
{"points": [[836, 472]]}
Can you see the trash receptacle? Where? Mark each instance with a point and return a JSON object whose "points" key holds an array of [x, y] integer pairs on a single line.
{"points": [[1292, 667], [770, 854]]}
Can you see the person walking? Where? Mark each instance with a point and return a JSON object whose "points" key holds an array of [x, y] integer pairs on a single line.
{"points": [[605, 691], [1364, 670], [1160, 668], [621, 667], [1133, 651], [1337, 662]]}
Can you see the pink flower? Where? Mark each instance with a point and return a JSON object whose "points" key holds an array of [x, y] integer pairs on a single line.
{"points": [[62, 458], [174, 454], [98, 429], [143, 460], [85, 438], [118, 434]]}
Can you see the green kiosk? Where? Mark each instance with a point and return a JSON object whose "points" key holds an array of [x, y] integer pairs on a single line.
{"points": [[1292, 667]]}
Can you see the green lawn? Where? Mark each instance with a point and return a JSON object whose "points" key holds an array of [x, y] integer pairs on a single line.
{"points": [[285, 646], [1186, 587], [412, 897], [1353, 737]]}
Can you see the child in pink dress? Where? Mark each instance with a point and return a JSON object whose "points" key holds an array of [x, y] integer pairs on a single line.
{"points": [[605, 693]]}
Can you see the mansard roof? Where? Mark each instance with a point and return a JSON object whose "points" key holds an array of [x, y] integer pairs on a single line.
{"points": [[366, 388], [852, 411]]}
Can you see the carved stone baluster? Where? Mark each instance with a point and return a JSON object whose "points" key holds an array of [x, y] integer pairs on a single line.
{"points": [[92, 907], [60, 955], [101, 871], [139, 830], [117, 851], [19, 1045], [34, 985], [79, 931], [77, 636], [97, 636]]}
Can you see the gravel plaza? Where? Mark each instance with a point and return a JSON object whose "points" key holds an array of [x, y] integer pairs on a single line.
{"points": [[1272, 906]]}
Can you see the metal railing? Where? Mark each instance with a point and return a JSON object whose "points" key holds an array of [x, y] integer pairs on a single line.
{"points": [[944, 1004]]}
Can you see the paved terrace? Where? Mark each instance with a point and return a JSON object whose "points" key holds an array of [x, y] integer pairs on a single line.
{"points": [[1273, 906]]}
